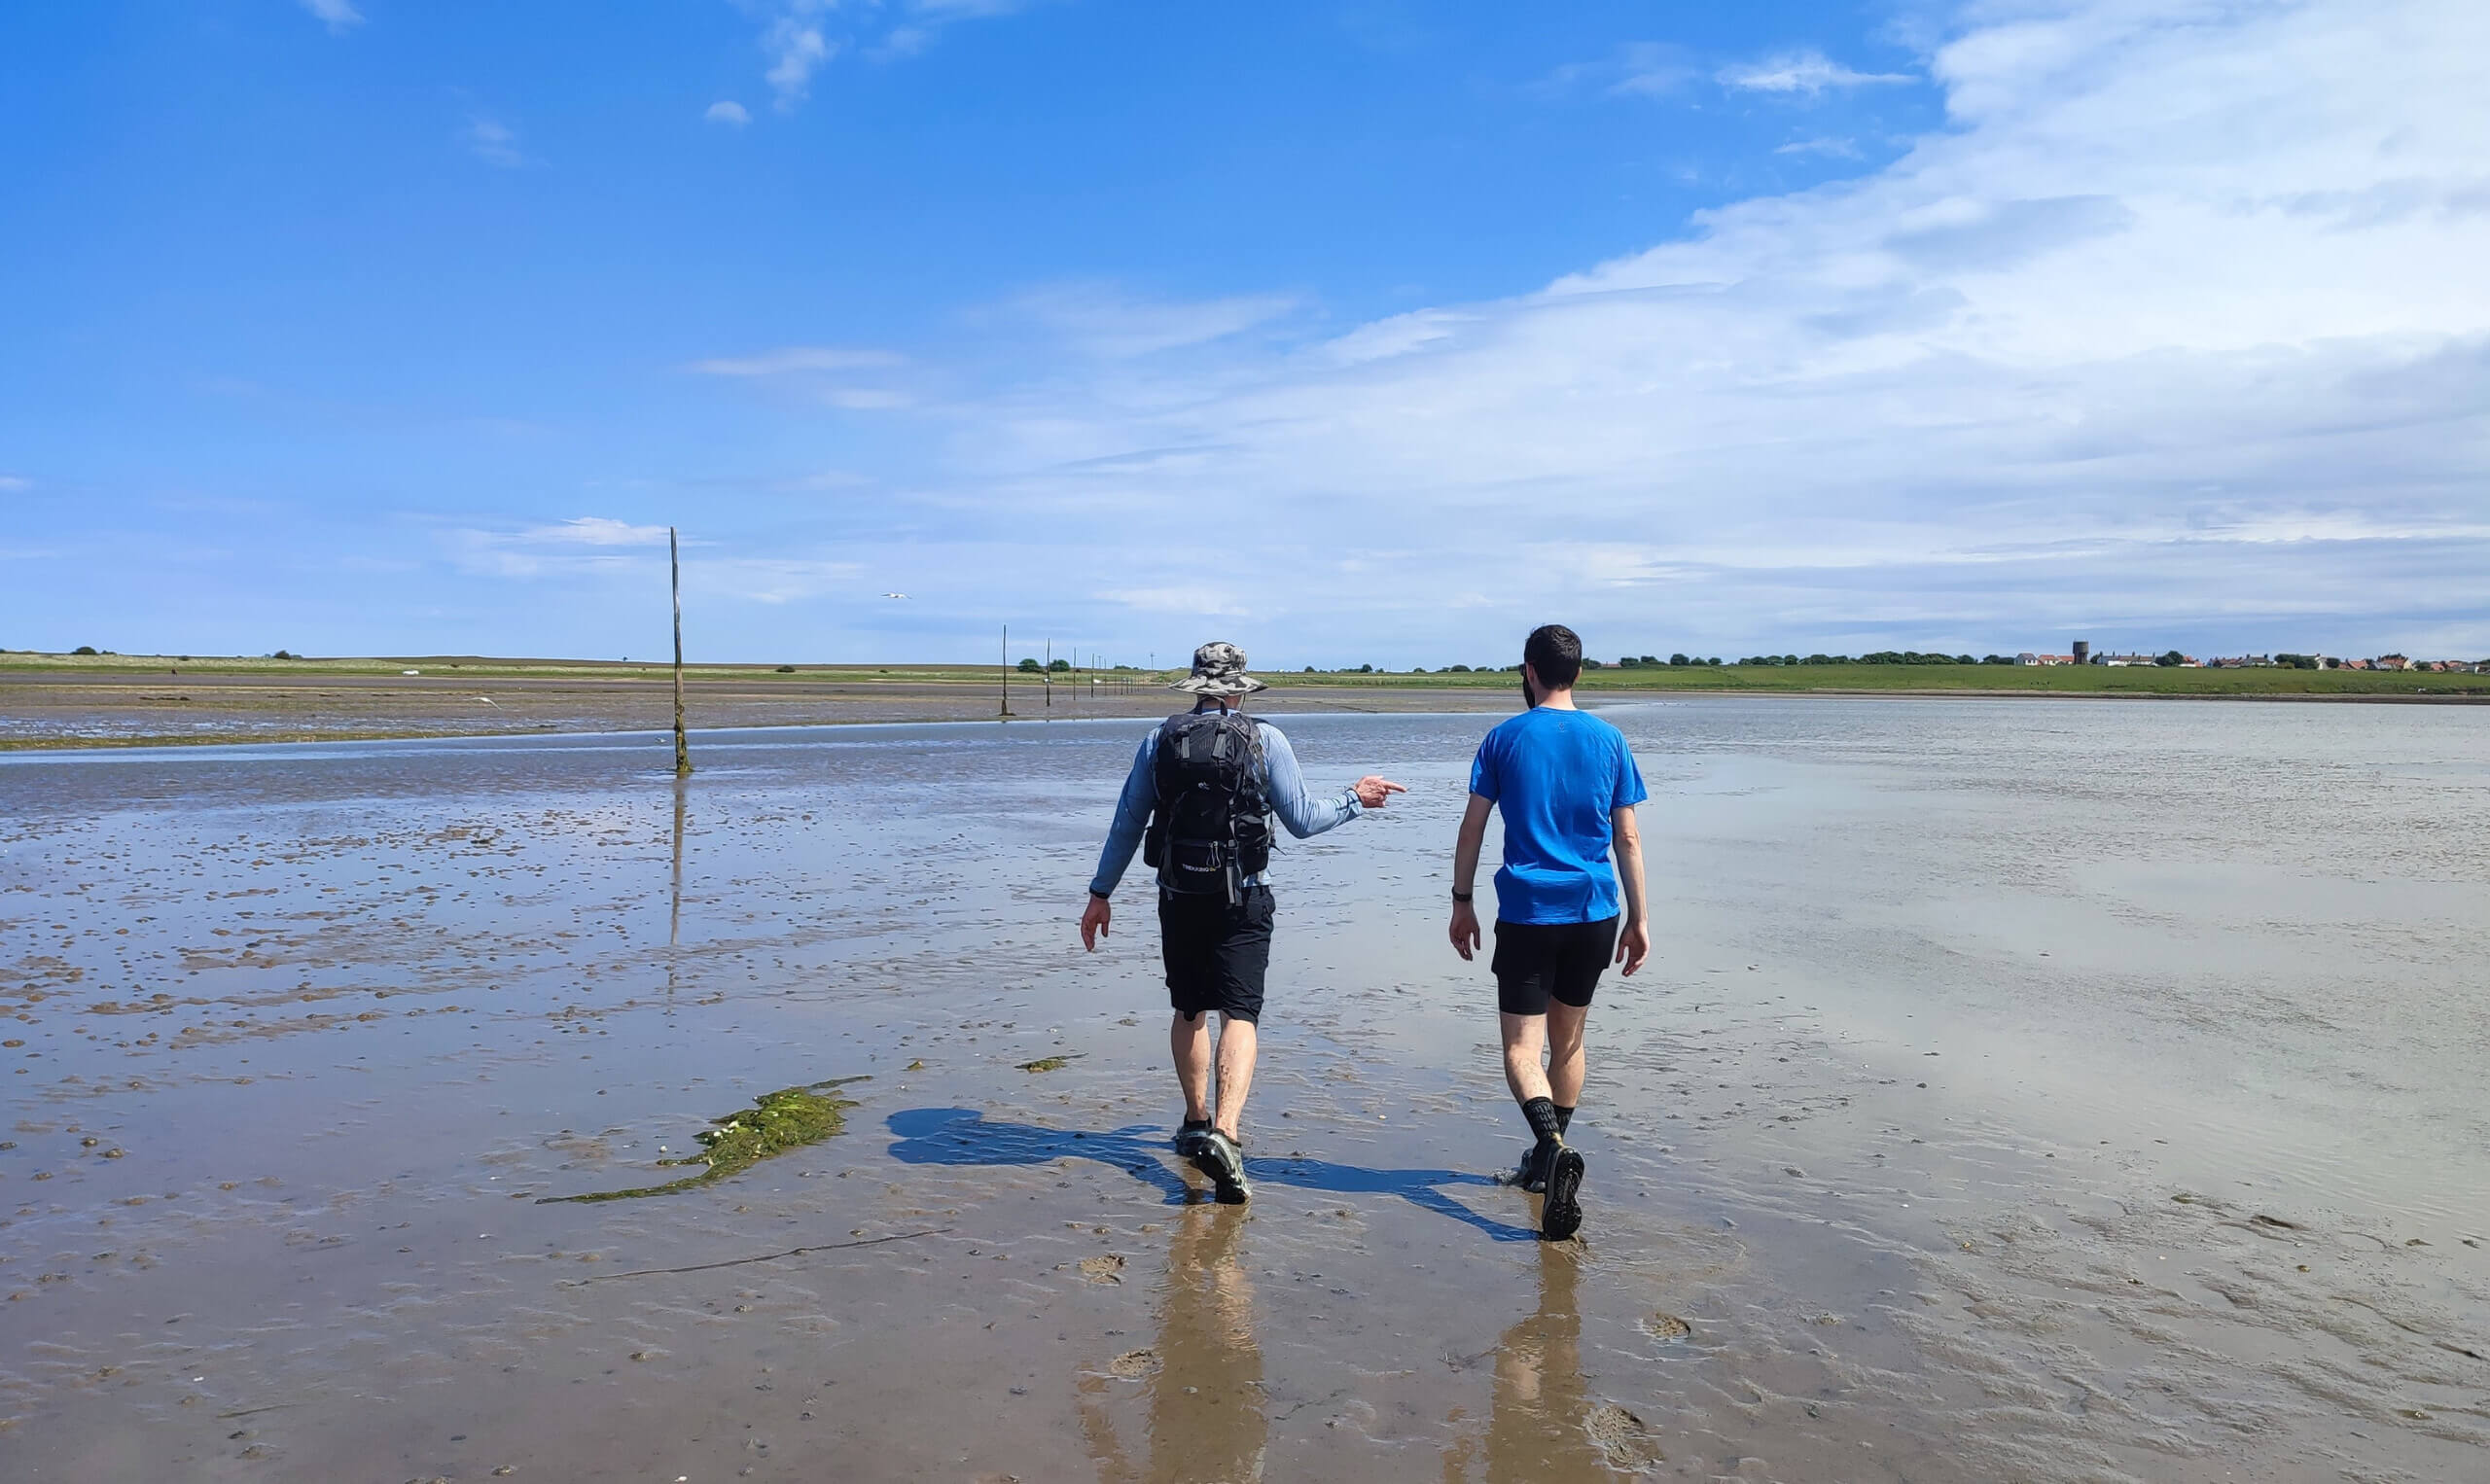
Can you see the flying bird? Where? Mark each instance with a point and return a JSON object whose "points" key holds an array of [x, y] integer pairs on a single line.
{"points": [[895, 595]]}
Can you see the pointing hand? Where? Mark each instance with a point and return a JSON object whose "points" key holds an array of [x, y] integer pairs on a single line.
{"points": [[1373, 792]]}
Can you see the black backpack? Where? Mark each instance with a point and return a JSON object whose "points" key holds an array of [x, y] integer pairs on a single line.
{"points": [[1211, 827]]}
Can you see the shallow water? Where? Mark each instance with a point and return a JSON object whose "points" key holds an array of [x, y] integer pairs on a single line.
{"points": [[2020, 1089]]}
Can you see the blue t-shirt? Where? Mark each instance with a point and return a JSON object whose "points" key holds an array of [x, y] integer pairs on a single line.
{"points": [[1556, 774]]}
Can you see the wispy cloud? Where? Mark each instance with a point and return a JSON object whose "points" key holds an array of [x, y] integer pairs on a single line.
{"points": [[1836, 149], [728, 111], [867, 398], [11, 483], [1106, 320], [339, 16], [594, 531], [796, 48], [493, 141], [1636, 69], [581, 546], [1805, 71], [801, 37], [794, 360], [1997, 387]]}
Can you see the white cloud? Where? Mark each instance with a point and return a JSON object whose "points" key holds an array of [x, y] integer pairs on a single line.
{"points": [[339, 15], [728, 111], [11, 483], [492, 142], [1805, 71], [793, 359], [2178, 324]]}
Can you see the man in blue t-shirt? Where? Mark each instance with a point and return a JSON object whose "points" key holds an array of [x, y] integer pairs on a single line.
{"points": [[1568, 786]]}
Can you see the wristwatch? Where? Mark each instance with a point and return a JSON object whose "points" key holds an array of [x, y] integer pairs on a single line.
{"points": [[1461, 896]]}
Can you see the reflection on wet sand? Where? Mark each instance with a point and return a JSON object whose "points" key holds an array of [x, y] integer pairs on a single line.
{"points": [[1203, 1380], [1541, 1427], [674, 902]]}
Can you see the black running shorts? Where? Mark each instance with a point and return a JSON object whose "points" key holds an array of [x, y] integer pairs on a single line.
{"points": [[1539, 962], [1217, 954]]}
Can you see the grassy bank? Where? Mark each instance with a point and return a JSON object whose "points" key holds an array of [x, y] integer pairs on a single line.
{"points": [[2058, 679]]}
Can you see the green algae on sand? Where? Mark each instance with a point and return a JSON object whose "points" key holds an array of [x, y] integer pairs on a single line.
{"points": [[777, 1121]]}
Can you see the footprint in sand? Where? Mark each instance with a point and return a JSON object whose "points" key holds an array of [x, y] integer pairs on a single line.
{"points": [[1106, 1267], [1133, 1364], [1667, 1326], [1623, 1437]]}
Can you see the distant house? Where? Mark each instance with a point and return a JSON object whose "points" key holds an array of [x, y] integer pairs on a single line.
{"points": [[2241, 662], [2123, 659], [2027, 657], [2389, 662], [2356, 664]]}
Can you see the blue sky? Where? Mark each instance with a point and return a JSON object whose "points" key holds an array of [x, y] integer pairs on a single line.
{"points": [[1359, 334]]}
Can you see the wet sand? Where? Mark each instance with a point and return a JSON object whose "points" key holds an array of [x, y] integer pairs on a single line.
{"points": [[2056, 1092], [173, 706]]}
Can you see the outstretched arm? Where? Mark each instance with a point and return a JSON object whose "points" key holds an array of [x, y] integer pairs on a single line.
{"points": [[1304, 815], [1465, 875]]}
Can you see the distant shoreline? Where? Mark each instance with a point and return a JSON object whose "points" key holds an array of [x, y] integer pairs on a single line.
{"points": [[119, 703]]}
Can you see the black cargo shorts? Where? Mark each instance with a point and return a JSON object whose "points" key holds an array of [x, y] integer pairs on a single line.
{"points": [[1218, 953]]}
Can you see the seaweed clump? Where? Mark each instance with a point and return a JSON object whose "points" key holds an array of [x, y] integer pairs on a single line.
{"points": [[777, 1121]]}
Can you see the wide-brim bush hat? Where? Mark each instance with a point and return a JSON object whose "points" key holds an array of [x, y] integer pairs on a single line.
{"points": [[1219, 669]]}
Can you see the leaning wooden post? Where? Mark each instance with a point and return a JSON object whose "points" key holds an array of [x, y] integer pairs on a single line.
{"points": [[674, 574]]}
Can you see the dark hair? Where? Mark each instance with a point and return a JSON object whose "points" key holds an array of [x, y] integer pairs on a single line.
{"points": [[1555, 653]]}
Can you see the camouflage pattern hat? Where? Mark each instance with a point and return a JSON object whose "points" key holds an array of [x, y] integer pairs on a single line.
{"points": [[1219, 669]]}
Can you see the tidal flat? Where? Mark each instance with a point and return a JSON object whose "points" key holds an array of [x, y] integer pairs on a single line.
{"points": [[2020, 1089]]}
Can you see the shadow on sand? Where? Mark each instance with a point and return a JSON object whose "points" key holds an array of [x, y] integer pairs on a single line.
{"points": [[964, 1136]]}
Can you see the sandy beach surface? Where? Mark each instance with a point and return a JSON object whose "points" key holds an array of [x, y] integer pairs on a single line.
{"points": [[2078, 1091], [136, 707]]}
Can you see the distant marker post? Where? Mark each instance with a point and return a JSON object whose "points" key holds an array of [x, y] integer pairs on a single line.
{"points": [[674, 578]]}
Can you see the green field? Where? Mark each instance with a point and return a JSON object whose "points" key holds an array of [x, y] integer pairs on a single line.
{"points": [[2053, 680], [2058, 680]]}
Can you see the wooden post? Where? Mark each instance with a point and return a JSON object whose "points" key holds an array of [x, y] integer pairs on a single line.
{"points": [[674, 575], [1007, 671], [1050, 675]]}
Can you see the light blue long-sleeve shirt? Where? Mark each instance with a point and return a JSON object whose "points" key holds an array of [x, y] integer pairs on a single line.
{"points": [[1283, 784]]}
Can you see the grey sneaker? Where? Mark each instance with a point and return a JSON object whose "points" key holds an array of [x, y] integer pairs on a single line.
{"points": [[1224, 1162], [1188, 1138]]}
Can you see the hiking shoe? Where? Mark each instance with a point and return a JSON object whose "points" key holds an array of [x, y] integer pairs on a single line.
{"points": [[1562, 1215], [1224, 1162], [1189, 1137]]}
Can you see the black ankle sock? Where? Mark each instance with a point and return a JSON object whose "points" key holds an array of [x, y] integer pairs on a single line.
{"points": [[1542, 1113], [1564, 1121], [1196, 1123]]}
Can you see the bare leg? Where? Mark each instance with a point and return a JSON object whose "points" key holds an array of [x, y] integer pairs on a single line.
{"points": [[1189, 1042], [1238, 1042], [1525, 1041], [1565, 1052]]}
